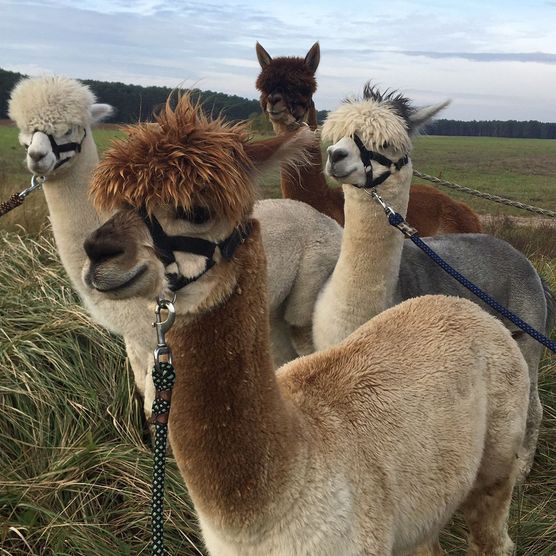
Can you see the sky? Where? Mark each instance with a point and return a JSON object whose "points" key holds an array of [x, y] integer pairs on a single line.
{"points": [[494, 60]]}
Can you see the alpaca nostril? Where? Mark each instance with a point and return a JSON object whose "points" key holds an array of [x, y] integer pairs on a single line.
{"points": [[102, 249], [36, 155], [337, 154]]}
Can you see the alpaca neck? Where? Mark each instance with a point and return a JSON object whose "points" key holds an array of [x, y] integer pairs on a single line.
{"points": [[307, 183], [230, 429], [365, 278], [72, 216]]}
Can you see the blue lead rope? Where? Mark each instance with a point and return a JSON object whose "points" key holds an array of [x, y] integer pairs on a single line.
{"points": [[397, 220]]}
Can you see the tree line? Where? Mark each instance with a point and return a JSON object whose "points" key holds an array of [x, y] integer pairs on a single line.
{"points": [[135, 103], [531, 129]]}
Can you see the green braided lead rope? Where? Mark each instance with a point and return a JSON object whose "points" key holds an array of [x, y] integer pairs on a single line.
{"points": [[482, 195], [163, 377]]}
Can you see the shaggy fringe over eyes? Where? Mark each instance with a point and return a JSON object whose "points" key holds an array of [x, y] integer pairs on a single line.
{"points": [[378, 118], [184, 159], [288, 74]]}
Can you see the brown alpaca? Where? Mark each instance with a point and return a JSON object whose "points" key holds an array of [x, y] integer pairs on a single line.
{"points": [[287, 85], [363, 449]]}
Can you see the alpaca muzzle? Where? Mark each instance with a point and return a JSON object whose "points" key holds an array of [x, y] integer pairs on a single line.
{"points": [[166, 245]]}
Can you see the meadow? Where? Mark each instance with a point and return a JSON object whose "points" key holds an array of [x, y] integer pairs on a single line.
{"points": [[75, 463]]}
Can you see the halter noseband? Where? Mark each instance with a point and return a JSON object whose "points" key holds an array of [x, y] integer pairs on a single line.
{"points": [[367, 156], [165, 246], [59, 149]]}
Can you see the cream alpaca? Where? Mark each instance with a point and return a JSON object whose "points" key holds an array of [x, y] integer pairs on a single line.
{"points": [[366, 448], [299, 264], [377, 269]]}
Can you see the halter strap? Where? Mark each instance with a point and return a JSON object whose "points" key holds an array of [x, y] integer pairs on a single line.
{"points": [[66, 147], [165, 246], [368, 156]]}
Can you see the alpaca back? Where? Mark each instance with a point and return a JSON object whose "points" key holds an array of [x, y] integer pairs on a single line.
{"points": [[426, 397]]}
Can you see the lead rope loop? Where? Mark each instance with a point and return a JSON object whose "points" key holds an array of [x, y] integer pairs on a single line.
{"points": [[163, 377]]}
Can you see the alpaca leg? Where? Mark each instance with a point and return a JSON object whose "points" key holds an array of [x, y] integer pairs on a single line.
{"points": [[486, 512], [302, 339], [532, 353], [281, 345]]}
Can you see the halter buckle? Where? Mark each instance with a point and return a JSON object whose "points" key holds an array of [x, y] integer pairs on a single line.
{"points": [[162, 326]]}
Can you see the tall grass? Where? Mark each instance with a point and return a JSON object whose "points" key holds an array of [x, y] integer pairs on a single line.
{"points": [[74, 465], [75, 461]]}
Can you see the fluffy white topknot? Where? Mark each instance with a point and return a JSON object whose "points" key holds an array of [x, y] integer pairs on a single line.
{"points": [[376, 123], [51, 104]]}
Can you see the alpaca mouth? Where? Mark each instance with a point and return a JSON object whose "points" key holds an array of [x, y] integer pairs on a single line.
{"points": [[275, 114], [40, 168], [110, 286], [337, 176]]}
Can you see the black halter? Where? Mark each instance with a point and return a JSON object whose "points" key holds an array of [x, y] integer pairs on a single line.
{"points": [[65, 148], [166, 245], [367, 156]]}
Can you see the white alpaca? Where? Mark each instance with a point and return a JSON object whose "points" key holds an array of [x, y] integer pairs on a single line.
{"points": [[366, 448], [378, 269], [303, 245]]}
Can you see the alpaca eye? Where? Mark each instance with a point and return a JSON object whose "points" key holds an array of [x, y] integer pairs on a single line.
{"points": [[385, 145], [195, 215], [68, 132]]}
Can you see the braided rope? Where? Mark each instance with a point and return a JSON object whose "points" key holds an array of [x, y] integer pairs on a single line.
{"points": [[397, 220], [163, 378], [482, 195], [14, 201]]}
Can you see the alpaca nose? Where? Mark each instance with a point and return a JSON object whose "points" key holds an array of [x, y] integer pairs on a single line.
{"points": [[337, 154], [36, 156], [273, 98], [101, 247]]}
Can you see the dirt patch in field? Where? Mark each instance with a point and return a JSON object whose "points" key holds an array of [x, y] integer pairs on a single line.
{"points": [[489, 220]]}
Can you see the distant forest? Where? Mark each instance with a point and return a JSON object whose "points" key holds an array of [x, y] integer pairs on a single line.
{"points": [[135, 103]]}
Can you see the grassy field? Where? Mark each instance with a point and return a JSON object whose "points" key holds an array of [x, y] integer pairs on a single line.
{"points": [[75, 467], [522, 169]]}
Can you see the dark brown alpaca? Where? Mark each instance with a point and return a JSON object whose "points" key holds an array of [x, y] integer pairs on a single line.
{"points": [[287, 85]]}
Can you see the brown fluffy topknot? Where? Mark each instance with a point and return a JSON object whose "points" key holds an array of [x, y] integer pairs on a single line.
{"points": [[184, 159], [287, 74]]}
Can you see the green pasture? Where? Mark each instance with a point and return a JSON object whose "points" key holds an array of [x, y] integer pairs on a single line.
{"points": [[522, 169]]}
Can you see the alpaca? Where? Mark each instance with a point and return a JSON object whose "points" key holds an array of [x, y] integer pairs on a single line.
{"points": [[366, 448], [378, 269], [56, 110], [287, 85], [54, 115]]}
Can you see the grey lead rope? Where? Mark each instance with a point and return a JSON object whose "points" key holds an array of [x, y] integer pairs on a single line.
{"points": [[482, 195]]}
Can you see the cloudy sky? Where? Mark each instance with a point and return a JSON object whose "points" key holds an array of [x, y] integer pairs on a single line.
{"points": [[495, 60]]}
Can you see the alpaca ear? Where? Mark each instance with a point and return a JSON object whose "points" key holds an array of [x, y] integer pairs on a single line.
{"points": [[262, 55], [313, 57], [101, 111], [421, 116], [290, 148]]}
